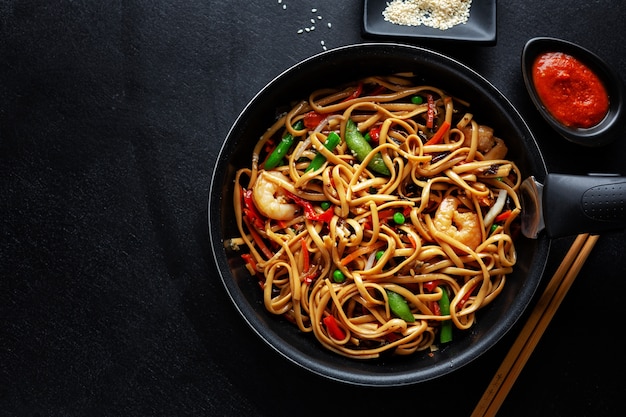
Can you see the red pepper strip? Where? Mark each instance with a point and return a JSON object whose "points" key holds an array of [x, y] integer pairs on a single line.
{"points": [[434, 307], [269, 147], [356, 93], [392, 337], [258, 240], [310, 274], [466, 296], [326, 216], [502, 216], [256, 221], [312, 119], [309, 211], [252, 265], [250, 209], [431, 285], [438, 136], [375, 134], [385, 214], [430, 116], [333, 328], [379, 90]]}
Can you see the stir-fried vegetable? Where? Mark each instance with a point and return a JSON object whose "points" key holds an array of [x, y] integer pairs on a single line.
{"points": [[445, 334], [357, 144], [282, 148], [399, 306], [333, 328], [331, 143]]}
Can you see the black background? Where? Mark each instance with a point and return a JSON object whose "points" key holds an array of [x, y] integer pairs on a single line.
{"points": [[111, 117]]}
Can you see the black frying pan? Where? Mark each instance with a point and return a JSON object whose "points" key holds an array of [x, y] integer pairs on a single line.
{"points": [[333, 68]]}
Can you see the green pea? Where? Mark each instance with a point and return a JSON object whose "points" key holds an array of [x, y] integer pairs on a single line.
{"points": [[338, 276], [417, 100], [379, 254], [398, 218], [325, 205]]}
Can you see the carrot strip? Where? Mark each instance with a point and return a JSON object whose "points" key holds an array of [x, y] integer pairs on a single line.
{"points": [[502, 216], [258, 240], [361, 251], [438, 136]]}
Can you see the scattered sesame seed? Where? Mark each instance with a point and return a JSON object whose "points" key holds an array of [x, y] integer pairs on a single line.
{"points": [[313, 10], [329, 25], [322, 43], [312, 27], [284, 6], [312, 20], [319, 17], [300, 30], [307, 29]]}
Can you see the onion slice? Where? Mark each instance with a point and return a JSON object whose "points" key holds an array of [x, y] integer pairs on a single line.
{"points": [[496, 208]]}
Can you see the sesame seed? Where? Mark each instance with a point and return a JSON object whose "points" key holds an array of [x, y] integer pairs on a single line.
{"points": [[440, 14], [300, 30], [329, 25], [313, 10]]}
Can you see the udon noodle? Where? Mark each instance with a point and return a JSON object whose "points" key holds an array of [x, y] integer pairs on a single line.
{"points": [[391, 238]]}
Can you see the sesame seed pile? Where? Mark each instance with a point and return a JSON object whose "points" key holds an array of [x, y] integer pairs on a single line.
{"points": [[439, 14]]}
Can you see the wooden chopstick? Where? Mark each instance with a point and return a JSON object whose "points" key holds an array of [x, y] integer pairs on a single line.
{"points": [[534, 328]]}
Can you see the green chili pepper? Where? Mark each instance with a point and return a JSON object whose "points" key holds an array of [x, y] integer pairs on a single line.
{"points": [[282, 148], [357, 144], [379, 254], [445, 334], [331, 143], [399, 306]]}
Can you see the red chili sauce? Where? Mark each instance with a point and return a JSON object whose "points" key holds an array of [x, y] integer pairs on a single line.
{"points": [[570, 91]]}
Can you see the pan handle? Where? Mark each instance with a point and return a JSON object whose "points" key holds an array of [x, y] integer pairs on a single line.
{"points": [[575, 204]]}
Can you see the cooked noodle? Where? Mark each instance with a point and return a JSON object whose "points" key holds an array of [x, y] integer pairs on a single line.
{"points": [[428, 225]]}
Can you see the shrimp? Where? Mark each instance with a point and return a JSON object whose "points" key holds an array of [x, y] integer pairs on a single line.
{"points": [[270, 199], [491, 146], [463, 227]]}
